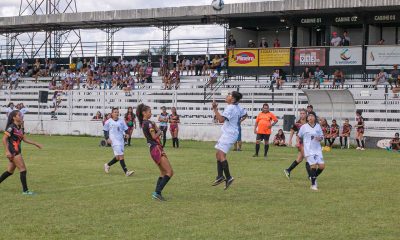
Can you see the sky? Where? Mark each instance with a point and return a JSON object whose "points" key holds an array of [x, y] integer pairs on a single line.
{"points": [[11, 8]]}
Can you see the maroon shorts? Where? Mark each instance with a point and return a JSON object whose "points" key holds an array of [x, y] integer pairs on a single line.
{"points": [[173, 127], [360, 130], [156, 153]]}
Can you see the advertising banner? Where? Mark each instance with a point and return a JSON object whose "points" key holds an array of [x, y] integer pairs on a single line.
{"points": [[345, 56], [274, 57], [383, 55], [243, 58], [309, 57]]}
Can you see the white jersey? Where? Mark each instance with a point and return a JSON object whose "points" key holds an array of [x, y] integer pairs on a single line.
{"points": [[232, 114], [312, 146], [23, 111], [116, 131]]}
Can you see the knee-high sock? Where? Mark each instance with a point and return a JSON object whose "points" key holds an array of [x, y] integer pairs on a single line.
{"points": [[341, 141], [177, 142], [363, 143], [220, 170], [123, 166], [292, 166], [313, 175], [129, 140], [173, 142], [332, 141], [358, 142], [5, 175], [308, 169], [164, 138], [22, 176], [345, 141], [257, 148], [162, 184], [158, 183], [319, 171], [112, 162], [326, 140], [225, 167], [266, 148]]}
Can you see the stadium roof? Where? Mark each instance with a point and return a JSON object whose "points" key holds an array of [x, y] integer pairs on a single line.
{"points": [[187, 15]]}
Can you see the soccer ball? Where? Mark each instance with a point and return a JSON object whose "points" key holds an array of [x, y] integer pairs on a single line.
{"points": [[217, 4]]}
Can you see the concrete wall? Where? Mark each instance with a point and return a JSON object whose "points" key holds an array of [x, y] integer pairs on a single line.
{"points": [[303, 37], [243, 36], [389, 34]]}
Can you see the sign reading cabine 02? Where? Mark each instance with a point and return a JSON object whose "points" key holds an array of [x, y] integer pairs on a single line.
{"points": [[243, 58]]}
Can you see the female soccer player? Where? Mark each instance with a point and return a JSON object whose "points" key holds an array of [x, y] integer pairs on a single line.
{"points": [[311, 135], [130, 120], [115, 132], [334, 133], [263, 127], [152, 134], [295, 129], [173, 127], [346, 131], [163, 118], [326, 131], [394, 144], [12, 138], [360, 131], [230, 131]]}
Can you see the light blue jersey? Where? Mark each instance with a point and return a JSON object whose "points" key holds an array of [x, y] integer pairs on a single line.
{"points": [[116, 131]]}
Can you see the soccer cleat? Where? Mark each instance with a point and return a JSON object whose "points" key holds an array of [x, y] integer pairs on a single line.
{"points": [[218, 181], [314, 187], [287, 173], [28, 193], [358, 148], [129, 173], [106, 168], [362, 149], [228, 182], [157, 196], [255, 155]]}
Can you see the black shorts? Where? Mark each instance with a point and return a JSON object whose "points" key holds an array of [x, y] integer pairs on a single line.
{"points": [[264, 137], [164, 128]]}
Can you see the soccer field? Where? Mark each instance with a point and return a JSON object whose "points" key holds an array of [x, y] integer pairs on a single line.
{"points": [[358, 196]]}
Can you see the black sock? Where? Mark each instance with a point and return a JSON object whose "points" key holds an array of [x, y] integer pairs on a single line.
{"points": [[358, 142], [292, 166], [308, 169], [220, 170], [164, 138], [173, 142], [129, 141], [313, 176], [332, 141], [363, 143], [112, 162], [177, 142], [22, 176], [5, 175], [266, 148], [341, 141], [345, 141], [122, 162], [162, 184], [319, 171], [225, 167], [325, 140], [257, 148], [158, 183]]}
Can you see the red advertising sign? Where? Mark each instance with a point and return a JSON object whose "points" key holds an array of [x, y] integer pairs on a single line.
{"points": [[309, 57]]}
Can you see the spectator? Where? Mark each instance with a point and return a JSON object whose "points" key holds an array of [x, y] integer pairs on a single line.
{"points": [[263, 43], [206, 66], [167, 80], [281, 79], [148, 74], [231, 42], [216, 63], [346, 131], [394, 77], [36, 70], [394, 143], [187, 65], [318, 77], [10, 108], [305, 77], [279, 139], [345, 39], [381, 42], [14, 79], [213, 79], [334, 133], [277, 44], [53, 84], [336, 40], [192, 66], [79, 65], [198, 66], [175, 78], [338, 78], [380, 78], [251, 44]]}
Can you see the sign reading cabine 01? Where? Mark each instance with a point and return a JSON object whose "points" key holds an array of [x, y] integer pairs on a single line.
{"points": [[243, 58]]}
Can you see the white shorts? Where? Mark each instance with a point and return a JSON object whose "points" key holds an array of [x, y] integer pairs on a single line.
{"points": [[315, 159], [118, 150], [225, 143]]}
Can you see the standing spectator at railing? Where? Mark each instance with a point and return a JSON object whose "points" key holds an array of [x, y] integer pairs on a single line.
{"points": [[14, 79], [380, 78], [394, 77], [175, 78], [345, 41], [231, 42], [277, 44], [338, 78], [305, 77], [263, 43], [318, 77], [251, 44], [381, 42], [336, 40]]}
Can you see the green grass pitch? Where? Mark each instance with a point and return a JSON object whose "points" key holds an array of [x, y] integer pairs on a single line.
{"points": [[358, 198]]}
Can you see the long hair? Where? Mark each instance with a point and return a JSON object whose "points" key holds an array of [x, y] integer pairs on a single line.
{"points": [[237, 96], [176, 113], [139, 112], [11, 116], [127, 113]]}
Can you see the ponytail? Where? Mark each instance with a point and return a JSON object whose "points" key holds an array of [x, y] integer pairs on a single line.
{"points": [[139, 112]]}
